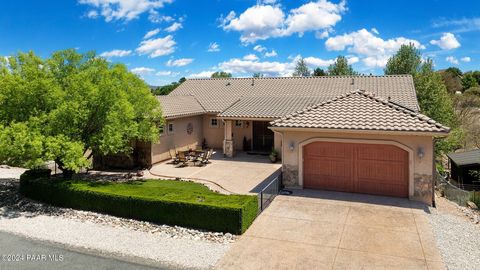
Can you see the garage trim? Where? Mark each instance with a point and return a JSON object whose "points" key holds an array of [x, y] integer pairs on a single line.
{"points": [[410, 152]]}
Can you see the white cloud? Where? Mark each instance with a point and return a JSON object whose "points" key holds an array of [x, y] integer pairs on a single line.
{"points": [[313, 16], [116, 53], [157, 47], [213, 47], [123, 9], [466, 59], [374, 49], [448, 41], [352, 59], [272, 53], [375, 31], [259, 48], [452, 60], [155, 17], [321, 34], [151, 33], [202, 74], [236, 65], [265, 21], [92, 14], [174, 27], [166, 73], [179, 62], [250, 57], [142, 70], [317, 62]]}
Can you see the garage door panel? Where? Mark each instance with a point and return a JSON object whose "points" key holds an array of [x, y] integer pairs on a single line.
{"points": [[363, 168], [333, 174]]}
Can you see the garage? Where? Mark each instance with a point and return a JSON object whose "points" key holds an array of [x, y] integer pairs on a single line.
{"points": [[379, 169]]}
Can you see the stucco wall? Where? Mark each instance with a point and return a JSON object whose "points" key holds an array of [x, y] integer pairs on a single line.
{"points": [[180, 139], [421, 168], [240, 132], [213, 135]]}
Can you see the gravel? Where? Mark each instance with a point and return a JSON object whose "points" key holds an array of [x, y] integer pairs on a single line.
{"points": [[172, 245], [458, 237]]}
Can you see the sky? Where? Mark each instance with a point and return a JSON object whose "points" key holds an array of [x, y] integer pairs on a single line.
{"points": [[164, 40]]}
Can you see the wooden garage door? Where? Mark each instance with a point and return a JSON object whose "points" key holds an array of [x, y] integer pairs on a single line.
{"points": [[363, 168]]}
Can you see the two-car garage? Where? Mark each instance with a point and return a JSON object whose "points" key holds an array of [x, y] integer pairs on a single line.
{"points": [[379, 169]]}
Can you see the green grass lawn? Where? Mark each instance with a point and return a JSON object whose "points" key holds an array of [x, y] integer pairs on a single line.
{"points": [[166, 190]]}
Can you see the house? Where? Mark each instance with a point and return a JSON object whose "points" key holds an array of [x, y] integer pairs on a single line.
{"points": [[345, 133], [461, 167]]}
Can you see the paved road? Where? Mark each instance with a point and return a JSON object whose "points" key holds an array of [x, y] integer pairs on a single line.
{"points": [[32, 254]]}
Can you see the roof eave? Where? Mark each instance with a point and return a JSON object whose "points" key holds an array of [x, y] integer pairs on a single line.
{"points": [[357, 131]]}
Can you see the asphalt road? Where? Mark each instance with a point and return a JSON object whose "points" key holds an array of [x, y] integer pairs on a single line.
{"points": [[17, 253]]}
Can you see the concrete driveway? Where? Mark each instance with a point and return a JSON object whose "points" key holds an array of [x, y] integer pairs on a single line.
{"points": [[330, 230], [242, 174]]}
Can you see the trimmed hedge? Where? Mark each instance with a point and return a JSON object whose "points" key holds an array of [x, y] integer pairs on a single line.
{"points": [[233, 218]]}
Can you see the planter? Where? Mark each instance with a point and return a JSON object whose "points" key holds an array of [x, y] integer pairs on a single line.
{"points": [[273, 158]]}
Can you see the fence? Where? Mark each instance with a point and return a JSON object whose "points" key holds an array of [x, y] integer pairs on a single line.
{"points": [[453, 191], [268, 193]]}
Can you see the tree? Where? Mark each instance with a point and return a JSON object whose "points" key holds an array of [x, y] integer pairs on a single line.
{"points": [[221, 74], [166, 89], [341, 67], [432, 95], [454, 71], [319, 72], [301, 68], [469, 81], [452, 79], [257, 75], [69, 105], [407, 60]]}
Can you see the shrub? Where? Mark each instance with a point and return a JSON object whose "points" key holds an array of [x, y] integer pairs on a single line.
{"points": [[224, 213]]}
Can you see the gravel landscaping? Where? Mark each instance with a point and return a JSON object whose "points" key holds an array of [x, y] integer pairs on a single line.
{"points": [[172, 245], [457, 232]]}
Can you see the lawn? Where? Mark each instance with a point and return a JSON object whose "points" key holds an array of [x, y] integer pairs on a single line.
{"points": [[166, 190], [162, 201]]}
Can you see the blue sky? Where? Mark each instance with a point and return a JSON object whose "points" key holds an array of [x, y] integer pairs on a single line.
{"points": [[195, 38]]}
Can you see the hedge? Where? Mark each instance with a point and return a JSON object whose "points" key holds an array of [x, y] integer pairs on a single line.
{"points": [[233, 219]]}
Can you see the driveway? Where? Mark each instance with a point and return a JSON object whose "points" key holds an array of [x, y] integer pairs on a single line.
{"points": [[331, 230], [242, 174]]}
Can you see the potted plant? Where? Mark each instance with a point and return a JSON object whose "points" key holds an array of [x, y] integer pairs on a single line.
{"points": [[273, 156]]}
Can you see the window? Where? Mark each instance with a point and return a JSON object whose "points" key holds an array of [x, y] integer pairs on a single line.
{"points": [[238, 123], [170, 128], [214, 122], [161, 130]]}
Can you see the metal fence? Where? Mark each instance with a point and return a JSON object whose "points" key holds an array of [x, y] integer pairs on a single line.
{"points": [[452, 191], [268, 193]]}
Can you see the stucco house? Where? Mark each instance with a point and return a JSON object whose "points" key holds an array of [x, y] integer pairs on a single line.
{"points": [[345, 133]]}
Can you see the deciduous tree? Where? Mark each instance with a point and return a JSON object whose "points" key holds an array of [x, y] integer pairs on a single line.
{"points": [[67, 105], [341, 67]]}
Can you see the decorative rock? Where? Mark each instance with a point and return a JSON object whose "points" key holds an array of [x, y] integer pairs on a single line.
{"points": [[472, 205]]}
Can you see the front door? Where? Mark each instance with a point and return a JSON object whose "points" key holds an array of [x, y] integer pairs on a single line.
{"points": [[262, 137]]}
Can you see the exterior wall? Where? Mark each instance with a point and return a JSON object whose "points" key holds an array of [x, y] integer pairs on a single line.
{"points": [[240, 132], [277, 143], [180, 139], [213, 135], [421, 169]]}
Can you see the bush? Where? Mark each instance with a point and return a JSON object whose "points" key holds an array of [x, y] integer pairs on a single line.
{"points": [[36, 173], [230, 213]]}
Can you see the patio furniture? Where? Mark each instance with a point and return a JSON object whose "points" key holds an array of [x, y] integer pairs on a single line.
{"points": [[174, 156], [206, 157], [182, 159]]}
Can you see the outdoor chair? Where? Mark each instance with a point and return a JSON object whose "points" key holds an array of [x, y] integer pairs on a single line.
{"points": [[174, 156], [208, 155], [182, 159], [200, 158]]}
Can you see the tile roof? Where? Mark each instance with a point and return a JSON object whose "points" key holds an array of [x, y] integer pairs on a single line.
{"points": [[216, 95], [466, 158], [269, 107], [360, 110], [179, 106]]}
